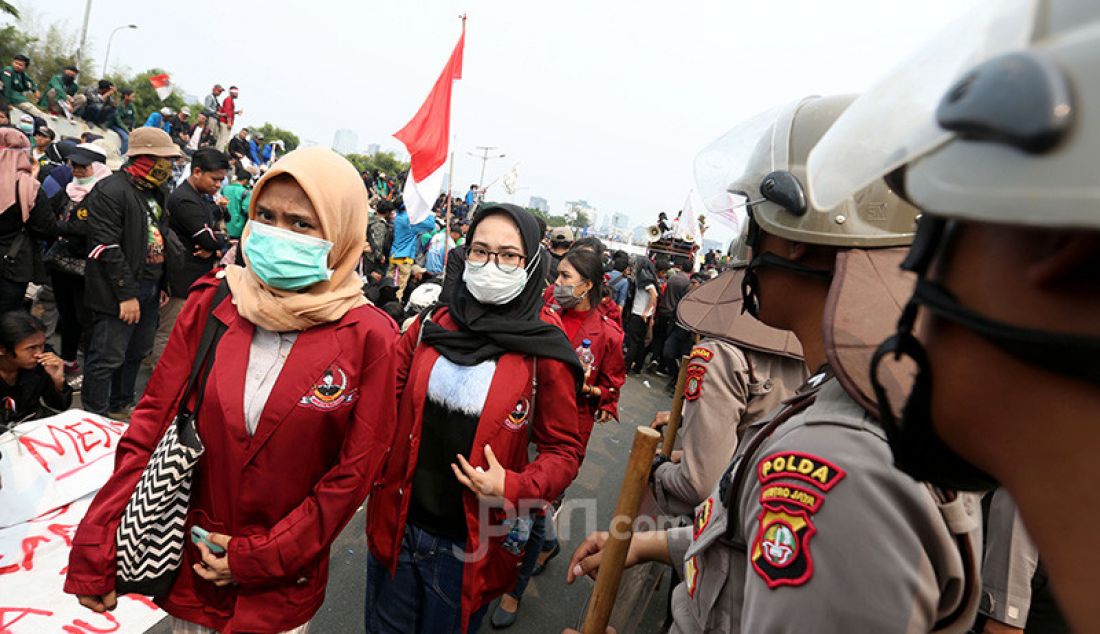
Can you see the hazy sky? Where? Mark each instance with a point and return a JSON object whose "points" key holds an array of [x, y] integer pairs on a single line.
{"points": [[607, 101]]}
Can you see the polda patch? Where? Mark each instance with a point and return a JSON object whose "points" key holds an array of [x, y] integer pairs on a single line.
{"points": [[702, 517], [691, 575], [801, 466], [693, 383], [701, 353], [781, 552], [330, 393]]}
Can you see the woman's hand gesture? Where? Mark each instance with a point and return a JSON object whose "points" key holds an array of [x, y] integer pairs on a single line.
{"points": [[487, 484]]}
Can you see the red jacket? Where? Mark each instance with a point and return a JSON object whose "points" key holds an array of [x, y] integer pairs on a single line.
{"points": [[553, 430], [606, 337], [283, 494], [227, 113]]}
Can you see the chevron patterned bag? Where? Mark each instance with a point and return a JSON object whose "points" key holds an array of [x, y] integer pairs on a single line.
{"points": [[150, 538]]}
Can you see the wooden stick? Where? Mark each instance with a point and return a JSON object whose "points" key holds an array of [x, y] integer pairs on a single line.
{"points": [[450, 198], [622, 530], [676, 414]]}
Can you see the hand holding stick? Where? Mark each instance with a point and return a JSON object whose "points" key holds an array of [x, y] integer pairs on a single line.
{"points": [[621, 531], [676, 414]]}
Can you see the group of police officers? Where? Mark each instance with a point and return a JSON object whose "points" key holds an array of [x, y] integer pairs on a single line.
{"points": [[904, 372]]}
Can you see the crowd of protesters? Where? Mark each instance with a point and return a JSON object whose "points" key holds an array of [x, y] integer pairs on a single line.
{"points": [[119, 269]]}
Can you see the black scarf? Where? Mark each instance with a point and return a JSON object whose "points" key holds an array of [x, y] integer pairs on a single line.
{"points": [[486, 332]]}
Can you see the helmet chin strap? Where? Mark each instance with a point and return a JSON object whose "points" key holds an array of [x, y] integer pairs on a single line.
{"points": [[750, 284]]}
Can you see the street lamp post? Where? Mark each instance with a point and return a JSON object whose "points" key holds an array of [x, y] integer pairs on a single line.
{"points": [[83, 33], [484, 156], [107, 57]]}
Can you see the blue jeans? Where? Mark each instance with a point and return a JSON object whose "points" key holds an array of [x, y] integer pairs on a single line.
{"points": [[114, 355], [425, 594], [543, 540], [124, 140]]}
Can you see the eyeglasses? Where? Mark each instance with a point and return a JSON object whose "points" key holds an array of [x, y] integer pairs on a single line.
{"points": [[506, 261]]}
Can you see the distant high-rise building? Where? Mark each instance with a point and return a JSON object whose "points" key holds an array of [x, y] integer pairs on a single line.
{"points": [[575, 208], [537, 202], [345, 141], [621, 221], [373, 149]]}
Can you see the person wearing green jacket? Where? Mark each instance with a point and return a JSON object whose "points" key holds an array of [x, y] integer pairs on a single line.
{"points": [[124, 118], [17, 84], [62, 89], [238, 194]]}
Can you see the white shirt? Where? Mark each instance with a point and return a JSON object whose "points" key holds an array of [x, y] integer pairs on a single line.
{"points": [[641, 300], [266, 357]]}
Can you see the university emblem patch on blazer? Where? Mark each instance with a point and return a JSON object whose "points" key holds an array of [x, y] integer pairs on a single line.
{"points": [[520, 416], [330, 393]]}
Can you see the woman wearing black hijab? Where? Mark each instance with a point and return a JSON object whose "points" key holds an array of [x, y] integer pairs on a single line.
{"points": [[479, 377], [639, 319]]}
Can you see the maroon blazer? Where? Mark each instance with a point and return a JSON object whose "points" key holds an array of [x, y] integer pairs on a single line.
{"points": [[508, 426], [283, 494]]}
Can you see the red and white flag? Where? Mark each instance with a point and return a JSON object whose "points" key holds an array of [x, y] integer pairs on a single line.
{"points": [[162, 84], [427, 137]]}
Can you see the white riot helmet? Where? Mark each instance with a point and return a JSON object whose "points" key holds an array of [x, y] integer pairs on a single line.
{"points": [[997, 121]]}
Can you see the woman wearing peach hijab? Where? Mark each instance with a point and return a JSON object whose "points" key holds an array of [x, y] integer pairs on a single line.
{"points": [[296, 418]]}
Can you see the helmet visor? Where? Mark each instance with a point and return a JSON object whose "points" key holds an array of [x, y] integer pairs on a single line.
{"points": [[894, 122], [729, 170]]}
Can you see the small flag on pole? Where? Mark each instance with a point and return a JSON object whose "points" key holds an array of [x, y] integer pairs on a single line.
{"points": [[511, 180], [427, 137], [162, 84]]}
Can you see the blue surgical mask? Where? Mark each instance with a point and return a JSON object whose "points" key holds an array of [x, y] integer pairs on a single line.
{"points": [[26, 128], [286, 260]]}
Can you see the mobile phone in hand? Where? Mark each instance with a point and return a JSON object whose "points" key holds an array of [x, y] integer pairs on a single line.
{"points": [[200, 534]]}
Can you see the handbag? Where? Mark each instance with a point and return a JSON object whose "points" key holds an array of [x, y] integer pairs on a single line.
{"points": [[150, 537], [59, 258], [9, 263]]}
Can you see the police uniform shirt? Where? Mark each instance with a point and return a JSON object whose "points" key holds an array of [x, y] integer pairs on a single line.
{"points": [[827, 536], [726, 390], [1015, 588]]}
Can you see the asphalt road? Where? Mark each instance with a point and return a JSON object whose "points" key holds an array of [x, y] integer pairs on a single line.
{"points": [[549, 605]]}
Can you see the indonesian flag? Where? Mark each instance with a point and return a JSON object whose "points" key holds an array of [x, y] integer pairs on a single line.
{"points": [[427, 137], [162, 84]]}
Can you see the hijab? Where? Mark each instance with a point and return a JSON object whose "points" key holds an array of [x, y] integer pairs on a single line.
{"points": [[485, 332], [334, 188], [16, 181], [77, 192]]}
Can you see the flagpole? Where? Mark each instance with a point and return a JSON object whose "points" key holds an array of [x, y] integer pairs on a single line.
{"points": [[450, 201], [450, 190]]}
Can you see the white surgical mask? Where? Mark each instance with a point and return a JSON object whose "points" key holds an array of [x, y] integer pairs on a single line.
{"points": [[490, 285]]}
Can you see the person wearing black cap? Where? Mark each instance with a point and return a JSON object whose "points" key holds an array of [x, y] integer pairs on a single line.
{"points": [[100, 107], [65, 259], [17, 85], [42, 139], [61, 94], [56, 173]]}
